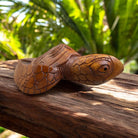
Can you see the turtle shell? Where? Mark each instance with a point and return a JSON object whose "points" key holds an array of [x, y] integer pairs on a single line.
{"points": [[56, 56], [42, 73]]}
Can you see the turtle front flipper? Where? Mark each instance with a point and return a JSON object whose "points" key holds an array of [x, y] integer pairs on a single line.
{"points": [[36, 79]]}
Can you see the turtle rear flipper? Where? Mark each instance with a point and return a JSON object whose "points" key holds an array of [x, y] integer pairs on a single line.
{"points": [[35, 79]]}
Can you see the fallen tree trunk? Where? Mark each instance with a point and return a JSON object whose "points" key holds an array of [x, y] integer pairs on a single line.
{"points": [[71, 110]]}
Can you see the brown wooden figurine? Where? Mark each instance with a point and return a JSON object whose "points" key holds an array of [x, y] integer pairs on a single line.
{"points": [[62, 62]]}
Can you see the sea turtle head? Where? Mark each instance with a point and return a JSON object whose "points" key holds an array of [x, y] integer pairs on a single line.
{"points": [[95, 69]]}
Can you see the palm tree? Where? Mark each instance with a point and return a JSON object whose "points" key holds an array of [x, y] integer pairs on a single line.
{"points": [[98, 26]]}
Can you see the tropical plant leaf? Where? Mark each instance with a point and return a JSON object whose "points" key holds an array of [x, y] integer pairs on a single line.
{"points": [[122, 17]]}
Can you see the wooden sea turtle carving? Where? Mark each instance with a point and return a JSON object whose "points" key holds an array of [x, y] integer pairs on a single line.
{"points": [[62, 62]]}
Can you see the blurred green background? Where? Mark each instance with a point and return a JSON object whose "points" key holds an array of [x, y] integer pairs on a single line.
{"points": [[28, 28]]}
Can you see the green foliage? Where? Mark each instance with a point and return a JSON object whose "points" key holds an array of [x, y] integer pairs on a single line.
{"points": [[122, 17], [100, 26], [2, 129], [131, 67], [24, 137], [10, 47]]}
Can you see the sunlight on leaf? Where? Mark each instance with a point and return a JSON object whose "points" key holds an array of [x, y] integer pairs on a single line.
{"points": [[73, 8], [10, 43]]}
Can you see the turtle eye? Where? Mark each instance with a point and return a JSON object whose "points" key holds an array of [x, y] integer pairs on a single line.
{"points": [[103, 68]]}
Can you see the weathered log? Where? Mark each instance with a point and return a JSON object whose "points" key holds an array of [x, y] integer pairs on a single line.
{"points": [[69, 109]]}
